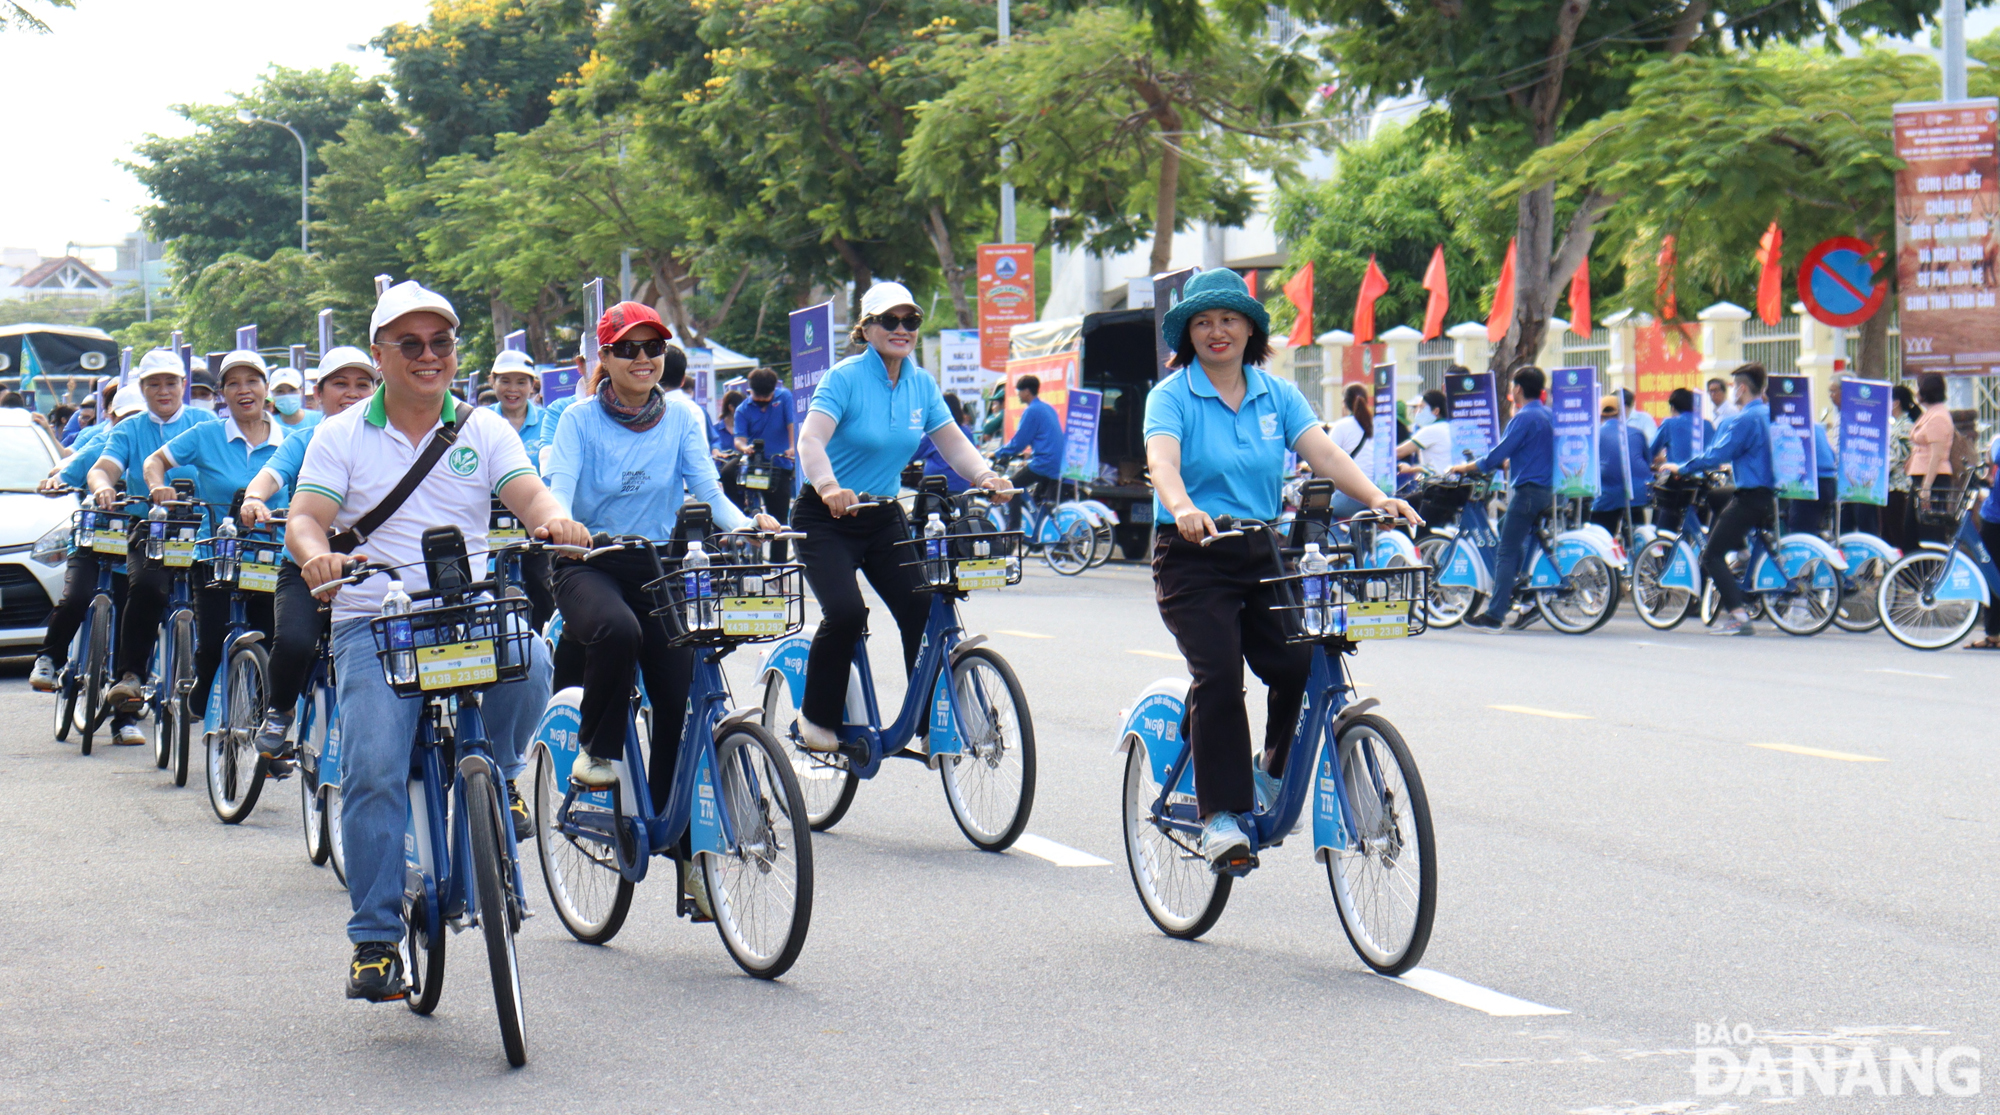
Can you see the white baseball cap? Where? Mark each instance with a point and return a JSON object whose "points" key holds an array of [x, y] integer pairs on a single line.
{"points": [[512, 360], [883, 297], [127, 401], [287, 377], [243, 358], [342, 356], [409, 297], [159, 362]]}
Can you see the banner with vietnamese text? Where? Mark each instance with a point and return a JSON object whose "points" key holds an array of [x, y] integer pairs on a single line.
{"points": [[1382, 446], [812, 352], [1573, 407], [1794, 464], [1475, 413], [1864, 441], [1006, 298], [1080, 435]]}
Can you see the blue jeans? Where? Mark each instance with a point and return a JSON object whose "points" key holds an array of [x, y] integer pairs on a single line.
{"points": [[1524, 509], [379, 731]]}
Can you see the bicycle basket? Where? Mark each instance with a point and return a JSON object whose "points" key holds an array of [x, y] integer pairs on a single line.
{"points": [[173, 543], [1937, 510], [105, 533], [249, 564], [1675, 492], [756, 477], [727, 604], [973, 557], [1354, 604], [463, 646], [1442, 500]]}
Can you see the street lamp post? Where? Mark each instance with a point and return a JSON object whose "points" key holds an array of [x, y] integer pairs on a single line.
{"points": [[247, 117], [1006, 185]]}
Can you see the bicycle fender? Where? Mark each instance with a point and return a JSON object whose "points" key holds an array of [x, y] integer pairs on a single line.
{"points": [[1467, 568], [788, 659], [943, 736], [1392, 544], [558, 733], [704, 824], [1155, 720], [1683, 570], [1101, 509], [958, 652], [1589, 539], [1858, 546], [1794, 550], [1964, 580]]}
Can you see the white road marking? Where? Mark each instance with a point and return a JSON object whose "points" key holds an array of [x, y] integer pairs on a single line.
{"points": [[1454, 990], [1022, 634], [1062, 855], [1551, 714], [1909, 673], [1821, 753], [1667, 646], [1157, 654]]}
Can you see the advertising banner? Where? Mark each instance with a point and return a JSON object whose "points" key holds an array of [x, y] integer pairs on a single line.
{"points": [[701, 378], [1794, 464], [560, 383], [812, 352], [960, 371], [246, 337], [1382, 447], [1006, 298], [1166, 293], [1573, 398], [1475, 413], [1080, 435], [1947, 201], [1864, 441], [1057, 371], [1663, 361]]}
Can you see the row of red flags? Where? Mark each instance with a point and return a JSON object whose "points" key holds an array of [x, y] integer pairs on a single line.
{"points": [[1374, 284]]}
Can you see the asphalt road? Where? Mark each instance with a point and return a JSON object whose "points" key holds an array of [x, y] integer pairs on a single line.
{"points": [[1624, 845]]}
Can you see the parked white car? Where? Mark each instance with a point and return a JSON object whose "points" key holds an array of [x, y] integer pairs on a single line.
{"points": [[30, 585]]}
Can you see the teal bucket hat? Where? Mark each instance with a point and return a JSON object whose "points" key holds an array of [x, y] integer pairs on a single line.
{"points": [[1215, 289]]}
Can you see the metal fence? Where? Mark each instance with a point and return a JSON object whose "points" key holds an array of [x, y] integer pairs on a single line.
{"points": [[1593, 351], [1307, 363], [1433, 357], [1776, 347]]}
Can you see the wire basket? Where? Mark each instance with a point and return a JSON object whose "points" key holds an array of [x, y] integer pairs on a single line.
{"points": [[1355, 605], [1938, 510], [104, 533], [973, 558], [1675, 492], [173, 545], [245, 564], [756, 475], [1442, 499], [726, 604], [460, 647]]}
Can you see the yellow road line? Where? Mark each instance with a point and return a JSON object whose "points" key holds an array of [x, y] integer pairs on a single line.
{"points": [[1552, 715], [1156, 654], [1022, 634], [1821, 753]]}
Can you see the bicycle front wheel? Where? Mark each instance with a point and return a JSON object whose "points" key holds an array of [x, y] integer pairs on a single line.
{"points": [[96, 672], [499, 906], [66, 695], [1385, 881], [1859, 609], [1660, 607], [235, 770], [589, 894], [762, 887], [176, 674], [423, 957], [1587, 598], [336, 833], [825, 779], [1182, 895], [990, 785], [1911, 611]]}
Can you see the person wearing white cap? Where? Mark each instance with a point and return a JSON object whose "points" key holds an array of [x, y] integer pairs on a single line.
{"points": [[867, 417], [514, 381], [356, 459], [162, 379], [346, 376], [288, 400]]}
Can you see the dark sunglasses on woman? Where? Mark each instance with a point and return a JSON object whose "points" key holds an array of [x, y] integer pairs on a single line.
{"points": [[628, 350], [891, 322]]}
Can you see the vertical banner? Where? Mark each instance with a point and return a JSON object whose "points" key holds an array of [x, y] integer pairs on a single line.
{"points": [[1057, 373], [1665, 357], [1080, 435], [1006, 298], [1573, 406], [325, 331], [559, 382], [246, 337], [701, 378], [298, 355], [1794, 464], [517, 341], [1382, 447], [1166, 294], [1864, 441], [1475, 414], [1947, 202], [812, 352], [593, 312], [961, 373]]}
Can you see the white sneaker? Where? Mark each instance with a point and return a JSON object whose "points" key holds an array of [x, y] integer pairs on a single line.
{"points": [[43, 678], [816, 737], [1223, 844], [697, 890], [593, 773]]}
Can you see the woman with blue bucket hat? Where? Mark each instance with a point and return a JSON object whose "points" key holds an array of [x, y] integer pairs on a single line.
{"points": [[1217, 431]]}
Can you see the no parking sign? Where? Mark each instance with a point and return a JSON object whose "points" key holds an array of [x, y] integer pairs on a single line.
{"points": [[1837, 281]]}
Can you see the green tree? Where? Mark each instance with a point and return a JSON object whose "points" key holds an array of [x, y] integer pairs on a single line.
{"points": [[17, 15], [371, 205], [477, 68], [281, 295]]}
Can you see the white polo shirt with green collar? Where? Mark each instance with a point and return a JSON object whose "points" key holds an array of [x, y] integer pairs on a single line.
{"points": [[357, 458]]}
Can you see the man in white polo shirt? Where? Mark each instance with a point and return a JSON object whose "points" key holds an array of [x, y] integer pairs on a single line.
{"points": [[355, 460]]}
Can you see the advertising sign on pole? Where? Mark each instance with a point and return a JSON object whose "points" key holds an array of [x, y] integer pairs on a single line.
{"points": [[1080, 435], [593, 312], [812, 352], [1475, 413], [1794, 464], [1838, 284], [560, 383], [1382, 447], [517, 341], [1864, 441], [1947, 204], [1166, 294], [246, 337], [701, 377], [1006, 298], [325, 331], [1573, 409], [1057, 373], [961, 373]]}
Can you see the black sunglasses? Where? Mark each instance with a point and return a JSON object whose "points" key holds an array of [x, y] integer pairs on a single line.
{"points": [[627, 350], [412, 348], [891, 322]]}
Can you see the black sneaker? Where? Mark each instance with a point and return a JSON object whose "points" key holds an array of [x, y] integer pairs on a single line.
{"points": [[1483, 622], [376, 972], [517, 805], [129, 695]]}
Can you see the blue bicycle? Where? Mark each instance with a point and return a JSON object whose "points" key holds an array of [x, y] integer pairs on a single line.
{"points": [[318, 720], [1935, 595], [732, 805], [85, 677], [1064, 532], [1371, 822], [171, 540], [963, 699], [243, 564], [1569, 577], [1794, 580]]}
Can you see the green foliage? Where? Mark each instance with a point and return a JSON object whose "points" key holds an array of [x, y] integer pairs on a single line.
{"points": [[370, 208], [478, 68], [52, 309], [281, 295], [18, 15]]}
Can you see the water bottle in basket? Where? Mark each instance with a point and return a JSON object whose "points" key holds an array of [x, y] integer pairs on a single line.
{"points": [[937, 564], [402, 653], [694, 575], [1312, 589], [156, 533], [225, 551]]}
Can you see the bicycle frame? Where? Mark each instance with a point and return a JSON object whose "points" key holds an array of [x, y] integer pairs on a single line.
{"points": [[449, 897], [1970, 572], [109, 565], [1765, 573], [1469, 559]]}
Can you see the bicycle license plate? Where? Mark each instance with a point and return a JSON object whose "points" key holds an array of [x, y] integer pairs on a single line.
{"points": [[457, 664], [109, 542], [257, 576], [744, 616], [1382, 619], [758, 481], [177, 555], [498, 538], [1141, 513], [974, 573]]}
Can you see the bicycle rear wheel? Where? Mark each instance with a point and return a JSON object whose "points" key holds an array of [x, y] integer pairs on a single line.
{"points": [[1103, 544], [310, 747], [1659, 607], [96, 672], [1385, 886], [312, 816], [589, 894], [235, 770], [1859, 609], [761, 889], [1911, 612], [1071, 550], [1182, 895], [990, 785], [1448, 604], [66, 695], [826, 781], [336, 833], [176, 674], [423, 958], [1806, 612], [1586, 600], [499, 908]]}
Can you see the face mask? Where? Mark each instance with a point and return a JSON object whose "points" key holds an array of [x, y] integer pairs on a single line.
{"points": [[203, 404], [286, 404], [1424, 418]]}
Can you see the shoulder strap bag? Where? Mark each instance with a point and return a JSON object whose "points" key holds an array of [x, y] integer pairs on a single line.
{"points": [[345, 541]]}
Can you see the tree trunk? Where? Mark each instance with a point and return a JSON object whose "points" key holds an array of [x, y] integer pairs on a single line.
{"points": [[1871, 357], [1534, 233], [667, 296], [857, 266], [955, 274], [1166, 204], [503, 321]]}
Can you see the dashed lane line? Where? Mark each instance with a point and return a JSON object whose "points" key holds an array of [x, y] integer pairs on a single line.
{"points": [[1524, 710], [1157, 654], [1454, 990], [1062, 855], [1908, 673], [1021, 634], [1820, 753]]}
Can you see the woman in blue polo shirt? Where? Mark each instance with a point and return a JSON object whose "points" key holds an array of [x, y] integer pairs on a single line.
{"points": [[225, 456], [1216, 435], [866, 419]]}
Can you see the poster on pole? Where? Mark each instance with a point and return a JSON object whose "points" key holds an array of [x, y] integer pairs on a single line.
{"points": [[1080, 435], [1573, 410], [1475, 414], [593, 312], [1794, 464], [1947, 203], [325, 332], [1864, 441], [1166, 294], [961, 373], [1057, 374], [701, 378], [812, 352], [1006, 298], [559, 382], [246, 337], [1382, 447]]}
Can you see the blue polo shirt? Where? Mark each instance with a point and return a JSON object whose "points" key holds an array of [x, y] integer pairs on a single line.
{"points": [[771, 422], [1823, 453], [89, 445], [537, 429], [135, 439], [1743, 443], [1232, 462], [1041, 431], [1676, 436], [1528, 447], [1611, 477], [224, 461], [285, 463], [307, 420], [877, 426], [936, 465]]}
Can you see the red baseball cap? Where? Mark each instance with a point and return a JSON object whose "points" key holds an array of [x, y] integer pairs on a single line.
{"points": [[625, 317]]}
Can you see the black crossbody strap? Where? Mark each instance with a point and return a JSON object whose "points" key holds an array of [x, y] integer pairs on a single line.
{"points": [[368, 524]]}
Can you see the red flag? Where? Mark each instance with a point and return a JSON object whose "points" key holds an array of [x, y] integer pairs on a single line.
{"points": [[1374, 285], [1502, 317], [1250, 280], [1579, 299], [1771, 282], [1664, 292], [1440, 300], [1299, 292]]}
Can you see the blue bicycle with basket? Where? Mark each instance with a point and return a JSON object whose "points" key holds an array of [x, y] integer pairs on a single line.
{"points": [[1569, 577], [81, 685], [1938, 592], [1794, 580]]}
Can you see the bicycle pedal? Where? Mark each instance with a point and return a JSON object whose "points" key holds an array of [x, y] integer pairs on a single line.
{"points": [[1236, 867]]}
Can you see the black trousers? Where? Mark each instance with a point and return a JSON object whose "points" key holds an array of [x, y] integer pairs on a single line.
{"points": [[1750, 509], [211, 624], [1861, 516], [1809, 516], [294, 637], [1989, 533], [1220, 615], [1895, 520], [1613, 520], [536, 582], [147, 585], [831, 551], [79, 588], [607, 612], [1046, 489]]}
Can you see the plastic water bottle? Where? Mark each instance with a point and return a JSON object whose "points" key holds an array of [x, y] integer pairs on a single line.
{"points": [[156, 533], [1312, 585], [225, 551], [402, 653], [934, 551], [694, 575]]}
